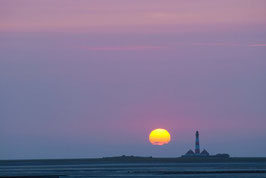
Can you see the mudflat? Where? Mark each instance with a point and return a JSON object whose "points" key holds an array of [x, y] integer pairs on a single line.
{"points": [[131, 166]]}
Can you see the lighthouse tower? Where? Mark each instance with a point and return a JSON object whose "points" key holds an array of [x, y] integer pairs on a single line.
{"points": [[197, 146]]}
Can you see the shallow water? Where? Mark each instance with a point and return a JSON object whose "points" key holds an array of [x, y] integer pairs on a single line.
{"points": [[116, 169]]}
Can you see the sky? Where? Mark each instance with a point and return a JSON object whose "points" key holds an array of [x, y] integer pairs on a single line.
{"points": [[92, 78]]}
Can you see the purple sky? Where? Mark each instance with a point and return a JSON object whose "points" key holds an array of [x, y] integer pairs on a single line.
{"points": [[92, 78]]}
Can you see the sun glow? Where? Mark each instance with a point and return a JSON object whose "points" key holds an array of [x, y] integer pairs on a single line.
{"points": [[159, 137]]}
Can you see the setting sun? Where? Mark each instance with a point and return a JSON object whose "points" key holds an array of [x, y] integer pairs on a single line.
{"points": [[159, 137]]}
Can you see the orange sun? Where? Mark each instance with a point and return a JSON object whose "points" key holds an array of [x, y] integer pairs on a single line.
{"points": [[159, 137]]}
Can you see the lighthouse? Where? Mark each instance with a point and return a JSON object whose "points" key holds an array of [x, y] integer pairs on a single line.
{"points": [[204, 153], [197, 146]]}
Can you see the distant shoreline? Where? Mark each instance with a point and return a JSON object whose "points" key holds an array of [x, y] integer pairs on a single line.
{"points": [[131, 159]]}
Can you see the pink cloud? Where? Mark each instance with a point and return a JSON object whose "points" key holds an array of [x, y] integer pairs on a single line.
{"points": [[122, 48], [166, 46], [120, 15], [219, 44], [257, 45], [215, 44]]}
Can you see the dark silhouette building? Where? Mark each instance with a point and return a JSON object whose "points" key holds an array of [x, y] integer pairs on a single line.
{"points": [[190, 153]]}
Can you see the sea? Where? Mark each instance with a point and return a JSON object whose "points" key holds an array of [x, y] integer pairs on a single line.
{"points": [[83, 169]]}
